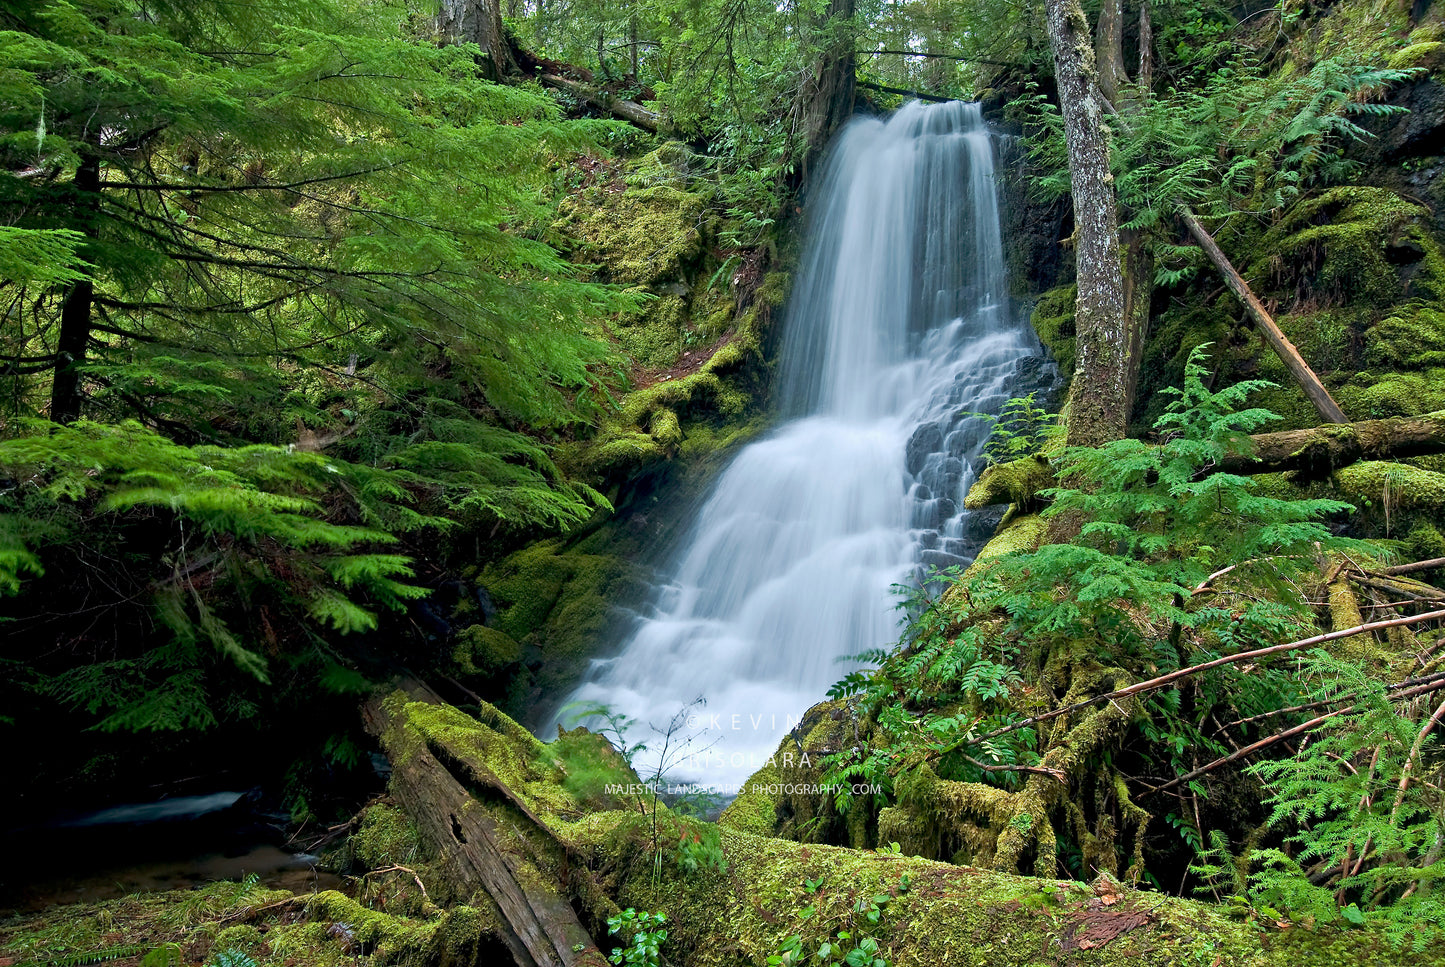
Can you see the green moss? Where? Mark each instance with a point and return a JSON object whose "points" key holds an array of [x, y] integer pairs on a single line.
{"points": [[665, 429], [1428, 54], [1413, 337], [1344, 238], [1021, 533], [653, 337], [1367, 396], [561, 600], [1015, 482], [385, 837], [1053, 320], [641, 236], [1377, 484], [480, 650]]}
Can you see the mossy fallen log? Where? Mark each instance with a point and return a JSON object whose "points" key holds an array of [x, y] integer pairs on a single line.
{"points": [[1309, 454], [756, 893], [541, 929]]}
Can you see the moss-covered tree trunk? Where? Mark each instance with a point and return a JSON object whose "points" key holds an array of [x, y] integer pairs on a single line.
{"points": [[1098, 398]]}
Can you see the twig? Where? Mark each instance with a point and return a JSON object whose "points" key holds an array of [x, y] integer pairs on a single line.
{"points": [[1430, 565], [401, 869]]}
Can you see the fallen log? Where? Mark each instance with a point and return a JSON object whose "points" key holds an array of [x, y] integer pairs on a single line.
{"points": [[618, 107], [1318, 451], [1310, 454], [542, 929], [1324, 404]]}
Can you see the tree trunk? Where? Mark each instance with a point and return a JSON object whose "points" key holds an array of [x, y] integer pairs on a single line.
{"points": [[479, 22], [1098, 399], [827, 102], [1138, 294], [629, 111], [75, 311], [1146, 49], [1109, 51], [1320, 397]]}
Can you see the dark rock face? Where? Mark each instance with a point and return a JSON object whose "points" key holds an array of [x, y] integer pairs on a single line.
{"points": [[927, 439]]}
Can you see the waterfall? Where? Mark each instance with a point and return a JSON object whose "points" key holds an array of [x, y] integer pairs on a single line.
{"points": [[899, 323]]}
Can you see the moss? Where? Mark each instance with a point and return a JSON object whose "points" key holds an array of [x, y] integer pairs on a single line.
{"points": [[480, 650], [653, 337], [773, 290], [1367, 396], [1350, 243], [665, 429], [1413, 337], [1016, 482], [640, 236], [385, 837], [1021, 533], [1428, 54], [561, 600], [1390, 486], [1053, 320]]}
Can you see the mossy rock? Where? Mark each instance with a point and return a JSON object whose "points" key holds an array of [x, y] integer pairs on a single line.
{"points": [[479, 650], [1367, 396], [1412, 337], [782, 799], [1376, 483], [653, 337], [1017, 534], [1053, 320], [640, 236], [561, 601], [1359, 245]]}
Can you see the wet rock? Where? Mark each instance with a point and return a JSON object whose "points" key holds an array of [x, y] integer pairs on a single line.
{"points": [[927, 439]]}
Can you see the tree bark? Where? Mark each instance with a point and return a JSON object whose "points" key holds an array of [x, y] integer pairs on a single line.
{"points": [[1146, 49], [479, 22], [542, 929], [826, 102], [1109, 51], [1098, 398], [1319, 397], [75, 311], [1318, 451]]}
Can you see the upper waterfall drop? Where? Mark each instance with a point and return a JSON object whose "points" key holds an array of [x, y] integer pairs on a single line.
{"points": [[899, 324]]}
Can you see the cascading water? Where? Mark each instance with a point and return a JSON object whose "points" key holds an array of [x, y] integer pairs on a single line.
{"points": [[899, 325]]}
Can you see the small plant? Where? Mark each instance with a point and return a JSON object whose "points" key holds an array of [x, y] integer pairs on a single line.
{"points": [[1020, 430], [647, 933]]}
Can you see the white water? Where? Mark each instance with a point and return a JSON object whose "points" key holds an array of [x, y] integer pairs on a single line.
{"points": [[899, 321]]}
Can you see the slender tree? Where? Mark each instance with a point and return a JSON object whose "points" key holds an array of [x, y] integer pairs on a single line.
{"points": [[1099, 398]]}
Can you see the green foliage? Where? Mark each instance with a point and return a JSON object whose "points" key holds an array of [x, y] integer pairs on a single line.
{"points": [[1362, 822], [231, 957], [1021, 429], [644, 933], [856, 947], [1242, 139], [321, 325]]}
